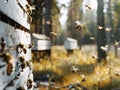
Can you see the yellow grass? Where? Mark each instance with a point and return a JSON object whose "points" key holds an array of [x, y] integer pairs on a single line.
{"points": [[70, 68]]}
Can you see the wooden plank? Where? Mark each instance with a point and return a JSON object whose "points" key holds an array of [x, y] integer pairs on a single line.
{"points": [[16, 12]]}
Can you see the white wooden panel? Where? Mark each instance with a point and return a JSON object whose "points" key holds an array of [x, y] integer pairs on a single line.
{"points": [[43, 45], [42, 42], [9, 34], [70, 44], [13, 37], [14, 11], [24, 37]]}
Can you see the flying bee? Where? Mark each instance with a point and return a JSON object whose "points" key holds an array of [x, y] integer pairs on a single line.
{"points": [[48, 22], [117, 74], [104, 48], [88, 6], [78, 25], [53, 34], [100, 27], [74, 68], [94, 56], [31, 45], [108, 29], [43, 4], [92, 38], [83, 78], [116, 43]]}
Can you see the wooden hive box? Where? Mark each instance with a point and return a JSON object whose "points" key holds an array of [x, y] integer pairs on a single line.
{"points": [[70, 45], [15, 39], [42, 45]]}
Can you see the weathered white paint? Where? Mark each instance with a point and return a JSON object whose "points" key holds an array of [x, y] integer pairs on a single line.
{"points": [[13, 38], [41, 42], [71, 44], [15, 12], [13, 74]]}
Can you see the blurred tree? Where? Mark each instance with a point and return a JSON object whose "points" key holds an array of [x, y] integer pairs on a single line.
{"points": [[90, 24], [74, 14], [56, 27], [48, 17], [116, 8], [109, 23], [37, 24], [101, 37], [46, 12]]}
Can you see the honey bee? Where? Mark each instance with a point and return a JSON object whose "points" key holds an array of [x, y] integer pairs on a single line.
{"points": [[29, 83], [31, 45], [9, 68], [21, 59], [88, 7]]}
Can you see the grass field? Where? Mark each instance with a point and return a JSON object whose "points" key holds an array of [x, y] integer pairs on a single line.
{"points": [[79, 70]]}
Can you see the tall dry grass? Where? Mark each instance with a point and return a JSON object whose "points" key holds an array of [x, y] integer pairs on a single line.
{"points": [[81, 67]]}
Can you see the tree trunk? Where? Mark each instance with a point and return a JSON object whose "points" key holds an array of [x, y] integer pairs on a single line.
{"points": [[109, 24], [101, 38], [48, 17]]}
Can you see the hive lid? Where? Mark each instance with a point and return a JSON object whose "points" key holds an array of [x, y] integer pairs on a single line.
{"points": [[40, 36]]}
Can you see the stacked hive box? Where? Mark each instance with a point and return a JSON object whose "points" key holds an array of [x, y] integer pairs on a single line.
{"points": [[15, 45]]}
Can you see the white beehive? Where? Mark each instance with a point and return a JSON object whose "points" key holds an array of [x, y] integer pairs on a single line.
{"points": [[16, 10], [15, 50], [42, 42], [71, 44]]}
